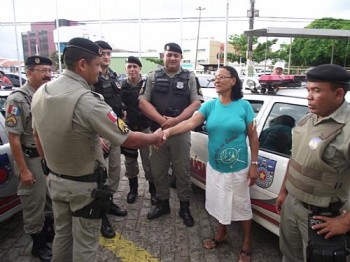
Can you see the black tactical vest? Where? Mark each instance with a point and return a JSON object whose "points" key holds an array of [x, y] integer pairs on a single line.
{"points": [[135, 119], [111, 92]]}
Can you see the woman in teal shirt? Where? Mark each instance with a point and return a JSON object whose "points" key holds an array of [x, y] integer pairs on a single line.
{"points": [[229, 174]]}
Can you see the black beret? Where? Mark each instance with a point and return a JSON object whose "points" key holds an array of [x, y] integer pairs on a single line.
{"points": [[173, 47], [133, 60], [84, 44], [37, 60], [328, 73], [103, 45]]}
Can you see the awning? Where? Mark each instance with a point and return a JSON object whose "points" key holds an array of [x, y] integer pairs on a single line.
{"points": [[299, 32]]}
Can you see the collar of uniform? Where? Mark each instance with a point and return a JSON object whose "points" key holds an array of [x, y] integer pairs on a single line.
{"points": [[171, 75], [77, 77], [132, 84], [338, 115]]}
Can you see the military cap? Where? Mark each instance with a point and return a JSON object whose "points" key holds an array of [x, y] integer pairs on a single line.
{"points": [[37, 60], [133, 60], [173, 47], [84, 44], [328, 73], [103, 45]]}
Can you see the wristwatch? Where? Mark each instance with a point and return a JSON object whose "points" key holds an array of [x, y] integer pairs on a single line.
{"points": [[254, 162]]}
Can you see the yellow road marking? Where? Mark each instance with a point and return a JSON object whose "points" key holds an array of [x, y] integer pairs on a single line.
{"points": [[127, 250]]}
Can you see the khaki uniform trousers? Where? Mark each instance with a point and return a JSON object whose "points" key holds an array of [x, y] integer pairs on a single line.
{"points": [[293, 230], [132, 165], [176, 150], [34, 197], [114, 167], [76, 238]]}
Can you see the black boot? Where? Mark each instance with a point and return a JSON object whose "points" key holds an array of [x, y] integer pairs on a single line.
{"points": [[185, 214], [48, 228], [133, 183], [117, 211], [106, 228], [40, 249], [152, 191], [162, 208]]}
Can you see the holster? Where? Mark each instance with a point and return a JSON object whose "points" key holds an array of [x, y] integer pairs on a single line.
{"points": [[333, 249], [130, 152], [103, 198], [44, 167]]}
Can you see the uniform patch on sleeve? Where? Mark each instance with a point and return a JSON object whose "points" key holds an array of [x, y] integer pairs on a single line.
{"points": [[11, 121], [118, 121], [14, 110]]}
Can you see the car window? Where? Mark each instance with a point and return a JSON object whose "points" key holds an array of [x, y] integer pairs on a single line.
{"points": [[276, 135], [257, 105]]}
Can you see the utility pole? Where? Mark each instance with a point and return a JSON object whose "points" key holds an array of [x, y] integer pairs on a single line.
{"points": [[200, 9], [251, 14]]}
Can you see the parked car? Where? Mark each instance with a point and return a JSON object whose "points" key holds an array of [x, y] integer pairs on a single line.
{"points": [[206, 80], [9, 201], [289, 103], [14, 78]]}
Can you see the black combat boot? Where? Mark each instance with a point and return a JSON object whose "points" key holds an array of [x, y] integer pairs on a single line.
{"points": [[185, 214], [133, 183], [117, 211], [40, 249], [152, 191], [162, 208], [106, 228], [48, 228]]}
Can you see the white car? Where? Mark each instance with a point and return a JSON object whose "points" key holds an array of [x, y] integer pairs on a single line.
{"points": [[10, 203], [288, 103]]}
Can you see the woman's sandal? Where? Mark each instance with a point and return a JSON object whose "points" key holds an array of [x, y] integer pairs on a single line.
{"points": [[213, 243], [245, 256]]}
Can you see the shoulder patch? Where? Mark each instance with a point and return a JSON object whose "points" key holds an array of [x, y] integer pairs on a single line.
{"points": [[11, 121], [13, 110], [118, 121]]}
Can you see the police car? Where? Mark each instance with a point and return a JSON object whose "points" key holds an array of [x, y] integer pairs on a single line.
{"points": [[9, 201], [272, 161]]}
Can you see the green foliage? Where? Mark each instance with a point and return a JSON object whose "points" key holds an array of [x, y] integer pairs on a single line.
{"points": [[157, 61], [312, 51]]}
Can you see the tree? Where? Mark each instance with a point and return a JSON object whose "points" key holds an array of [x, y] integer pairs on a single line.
{"points": [[157, 61], [240, 45], [311, 51]]}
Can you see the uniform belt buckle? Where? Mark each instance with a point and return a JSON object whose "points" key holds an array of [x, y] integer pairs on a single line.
{"points": [[28, 152]]}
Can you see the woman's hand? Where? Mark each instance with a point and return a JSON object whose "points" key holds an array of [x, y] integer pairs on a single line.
{"points": [[253, 174]]}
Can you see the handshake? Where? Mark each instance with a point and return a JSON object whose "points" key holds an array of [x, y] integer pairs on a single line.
{"points": [[162, 136]]}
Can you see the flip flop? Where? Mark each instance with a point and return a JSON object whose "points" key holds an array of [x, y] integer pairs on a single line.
{"points": [[212, 243], [245, 256]]}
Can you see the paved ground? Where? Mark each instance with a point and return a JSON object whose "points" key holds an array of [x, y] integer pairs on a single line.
{"points": [[165, 239]]}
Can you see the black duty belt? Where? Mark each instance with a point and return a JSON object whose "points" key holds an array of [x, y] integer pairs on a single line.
{"points": [[31, 152], [87, 178], [333, 207], [138, 127]]}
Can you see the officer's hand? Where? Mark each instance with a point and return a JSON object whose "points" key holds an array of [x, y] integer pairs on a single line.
{"points": [[333, 226], [170, 121], [166, 134], [279, 201], [104, 145], [27, 178], [160, 141]]}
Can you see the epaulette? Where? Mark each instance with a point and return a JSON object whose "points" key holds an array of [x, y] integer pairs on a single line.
{"points": [[99, 96]]}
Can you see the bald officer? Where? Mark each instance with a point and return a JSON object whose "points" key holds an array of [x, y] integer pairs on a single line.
{"points": [[317, 181], [18, 124], [170, 97], [68, 119]]}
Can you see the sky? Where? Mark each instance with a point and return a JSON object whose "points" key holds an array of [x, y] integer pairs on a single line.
{"points": [[149, 24]]}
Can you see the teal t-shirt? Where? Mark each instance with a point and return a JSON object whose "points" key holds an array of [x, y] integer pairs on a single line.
{"points": [[227, 133]]}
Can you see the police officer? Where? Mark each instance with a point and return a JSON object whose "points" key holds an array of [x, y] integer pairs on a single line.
{"points": [[136, 121], [171, 96], [31, 187], [317, 178], [68, 119], [109, 88]]}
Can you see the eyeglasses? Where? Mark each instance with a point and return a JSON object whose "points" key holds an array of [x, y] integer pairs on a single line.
{"points": [[221, 78], [106, 53], [43, 71]]}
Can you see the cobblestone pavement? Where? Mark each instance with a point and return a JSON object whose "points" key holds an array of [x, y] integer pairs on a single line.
{"points": [[165, 239]]}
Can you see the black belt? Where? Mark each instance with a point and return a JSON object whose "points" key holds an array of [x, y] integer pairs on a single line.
{"points": [[31, 152], [87, 178], [333, 207]]}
